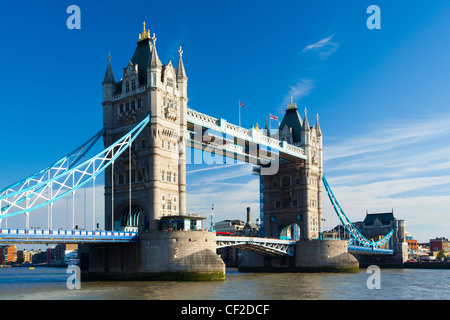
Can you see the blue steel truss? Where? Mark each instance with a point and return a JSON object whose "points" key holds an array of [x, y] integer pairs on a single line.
{"points": [[264, 246], [35, 193], [356, 236], [55, 168]]}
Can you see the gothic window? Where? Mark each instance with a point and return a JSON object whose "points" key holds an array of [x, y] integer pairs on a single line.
{"points": [[169, 204], [127, 86], [170, 82], [162, 176], [140, 176], [169, 176], [297, 181], [139, 103], [121, 108], [162, 144], [174, 178], [164, 101], [143, 143], [277, 204], [133, 103], [127, 106], [168, 145], [133, 85], [154, 79], [285, 181]]}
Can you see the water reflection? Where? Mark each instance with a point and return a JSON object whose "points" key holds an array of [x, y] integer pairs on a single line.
{"points": [[401, 284]]}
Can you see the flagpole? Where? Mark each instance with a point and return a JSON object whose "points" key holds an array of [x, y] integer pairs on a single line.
{"points": [[270, 126], [239, 112]]}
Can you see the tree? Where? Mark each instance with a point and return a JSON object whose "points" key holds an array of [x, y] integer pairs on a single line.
{"points": [[441, 254]]}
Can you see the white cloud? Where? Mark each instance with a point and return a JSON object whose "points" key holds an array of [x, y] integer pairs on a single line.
{"points": [[230, 201], [390, 135], [400, 165], [209, 168], [324, 47], [298, 91], [231, 188]]}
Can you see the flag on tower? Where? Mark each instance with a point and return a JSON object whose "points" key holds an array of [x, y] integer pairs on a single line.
{"points": [[273, 117], [242, 105]]}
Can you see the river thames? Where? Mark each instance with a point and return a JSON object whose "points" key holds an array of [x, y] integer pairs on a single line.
{"points": [[395, 284]]}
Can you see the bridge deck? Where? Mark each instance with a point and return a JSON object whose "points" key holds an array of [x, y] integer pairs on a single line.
{"points": [[265, 246], [17, 236], [369, 250]]}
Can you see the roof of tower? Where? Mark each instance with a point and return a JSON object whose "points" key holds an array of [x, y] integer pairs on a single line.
{"points": [[293, 120], [384, 218], [141, 57]]}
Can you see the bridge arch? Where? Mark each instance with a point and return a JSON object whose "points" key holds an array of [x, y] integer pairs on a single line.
{"points": [[289, 232], [289, 227], [131, 220]]}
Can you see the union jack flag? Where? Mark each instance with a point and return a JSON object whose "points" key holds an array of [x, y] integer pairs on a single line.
{"points": [[242, 105]]}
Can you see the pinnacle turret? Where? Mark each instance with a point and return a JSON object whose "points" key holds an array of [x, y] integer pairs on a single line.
{"points": [[109, 76], [154, 59], [181, 73], [305, 126], [319, 132]]}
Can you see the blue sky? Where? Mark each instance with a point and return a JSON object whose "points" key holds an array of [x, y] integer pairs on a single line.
{"points": [[382, 95]]}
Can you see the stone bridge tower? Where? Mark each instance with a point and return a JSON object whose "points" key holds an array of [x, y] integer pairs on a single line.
{"points": [[292, 206], [157, 170], [374, 227]]}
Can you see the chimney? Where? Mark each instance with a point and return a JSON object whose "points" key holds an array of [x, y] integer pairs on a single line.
{"points": [[248, 215]]}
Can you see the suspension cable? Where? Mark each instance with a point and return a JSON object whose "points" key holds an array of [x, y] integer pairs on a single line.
{"points": [[93, 203], [129, 172], [112, 197]]}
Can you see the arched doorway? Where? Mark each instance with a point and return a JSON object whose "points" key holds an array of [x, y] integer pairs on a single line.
{"points": [[130, 223], [290, 232]]}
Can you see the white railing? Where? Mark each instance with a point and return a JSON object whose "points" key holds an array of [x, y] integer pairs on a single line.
{"points": [[42, 235]]}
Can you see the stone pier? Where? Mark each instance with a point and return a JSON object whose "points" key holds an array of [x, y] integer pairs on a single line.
{"points": [[310, 256], [159, 255]]}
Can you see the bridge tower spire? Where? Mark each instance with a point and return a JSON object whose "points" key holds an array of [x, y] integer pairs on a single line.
{"points": [[292, 197], [109, 83], [156, 173]]}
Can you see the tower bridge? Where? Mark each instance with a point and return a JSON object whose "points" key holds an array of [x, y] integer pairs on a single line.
{"points": [[147, 128]]}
